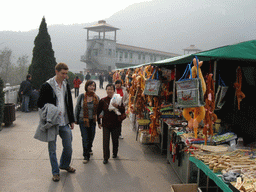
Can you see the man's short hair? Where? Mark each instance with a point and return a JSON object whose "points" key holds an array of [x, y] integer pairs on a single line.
{"points": [[61, 66]]}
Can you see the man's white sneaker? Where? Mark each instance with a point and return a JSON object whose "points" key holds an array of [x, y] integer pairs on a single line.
{"points": [[121, 137]]}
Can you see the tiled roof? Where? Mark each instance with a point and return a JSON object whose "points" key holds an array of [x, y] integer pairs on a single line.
{"points": [[144, 50]]}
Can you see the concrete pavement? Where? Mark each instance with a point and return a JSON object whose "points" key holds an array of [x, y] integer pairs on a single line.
{"points": [[25, 165]]}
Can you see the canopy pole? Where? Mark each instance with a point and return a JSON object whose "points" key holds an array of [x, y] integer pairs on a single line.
{"points": [[214, 74]]}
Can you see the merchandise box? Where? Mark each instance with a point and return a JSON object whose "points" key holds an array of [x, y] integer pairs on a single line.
{"points": [[185, 187]]}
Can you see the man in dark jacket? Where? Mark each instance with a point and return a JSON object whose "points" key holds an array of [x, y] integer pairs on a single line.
{"points": [[88, 76], [25, 93], [101, 78], [56, 91]]}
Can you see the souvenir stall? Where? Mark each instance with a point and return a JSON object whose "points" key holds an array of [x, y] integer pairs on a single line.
{"points": [[202, 105], [150, 100], [225, 107]]}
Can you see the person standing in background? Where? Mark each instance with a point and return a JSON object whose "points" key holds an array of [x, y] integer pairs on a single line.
{"points": [[77, 83], [110, 77], [101, 78], [25, 93], [88, 76]]}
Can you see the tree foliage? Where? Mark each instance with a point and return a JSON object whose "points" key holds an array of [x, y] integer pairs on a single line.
{"points": [[43, 62], [71, 77], [12, 73], [1, 101]]}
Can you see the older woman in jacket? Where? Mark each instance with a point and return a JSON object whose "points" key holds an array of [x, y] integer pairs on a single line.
{"points": [[110, 123], [86, 115]]}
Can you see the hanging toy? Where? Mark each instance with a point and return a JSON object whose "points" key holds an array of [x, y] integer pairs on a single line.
{"points": [[238, 86], [210, 116], [198, 112]]}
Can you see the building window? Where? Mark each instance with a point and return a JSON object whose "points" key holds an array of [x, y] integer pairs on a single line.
{"points": [[110, 52], [139, 57], [126, 55], [130, 55], [154, 58], [121, 55], [144, 57], [95, 52], [116, 53], [151, 57]]}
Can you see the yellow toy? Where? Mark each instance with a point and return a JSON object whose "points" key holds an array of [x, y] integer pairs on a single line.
{"points": [[198, 112]]}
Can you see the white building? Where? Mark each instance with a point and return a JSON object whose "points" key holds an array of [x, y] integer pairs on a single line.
{"points": [[104, 53]]}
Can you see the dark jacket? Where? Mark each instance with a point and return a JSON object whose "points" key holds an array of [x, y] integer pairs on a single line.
{"points": [[109, 119], [88, 77], [26, 88], [101, 78], [47, 95]]}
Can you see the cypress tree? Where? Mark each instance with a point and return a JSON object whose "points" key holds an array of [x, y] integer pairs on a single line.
{"points": [[1, 102], [43, 62]]}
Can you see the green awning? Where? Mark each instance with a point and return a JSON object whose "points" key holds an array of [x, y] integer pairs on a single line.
{"points": [[241, 51]]}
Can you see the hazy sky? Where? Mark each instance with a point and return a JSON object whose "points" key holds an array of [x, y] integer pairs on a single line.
{"points": [[17, 15]]}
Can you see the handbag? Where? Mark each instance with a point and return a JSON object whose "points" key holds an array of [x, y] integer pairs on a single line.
{"points": [[121, 117], [153, 86], [220, 94], [189, 90]]}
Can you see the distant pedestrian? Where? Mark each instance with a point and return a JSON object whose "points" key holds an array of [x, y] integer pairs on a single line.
{"points": [[25, 93], [85, 116], [110, 123], [88, 76], [101, 78], [77, 83], [55, 102], [110, 77]]}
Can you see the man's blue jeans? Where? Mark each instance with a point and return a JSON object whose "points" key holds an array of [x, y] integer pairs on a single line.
{"points": [[66, 136], [25, 103], [88, 134]]}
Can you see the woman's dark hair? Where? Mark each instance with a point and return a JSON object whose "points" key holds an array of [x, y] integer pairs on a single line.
{"points": [[28, 76], [88, 83], [118, 82], [111, 85]]}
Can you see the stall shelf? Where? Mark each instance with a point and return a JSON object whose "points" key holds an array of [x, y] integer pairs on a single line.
{"points": [[209, 173], [184, 169]]}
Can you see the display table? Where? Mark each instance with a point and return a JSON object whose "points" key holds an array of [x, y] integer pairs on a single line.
{"points": [[219, 182]]}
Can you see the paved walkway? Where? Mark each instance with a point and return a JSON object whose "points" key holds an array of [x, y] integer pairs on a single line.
{"points": [[25, 165]]}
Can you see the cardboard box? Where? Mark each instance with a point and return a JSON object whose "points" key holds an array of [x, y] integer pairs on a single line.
{"points": [[185, 188]]}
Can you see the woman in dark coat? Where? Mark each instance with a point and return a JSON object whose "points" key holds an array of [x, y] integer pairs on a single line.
{"points": [[110, 123]]}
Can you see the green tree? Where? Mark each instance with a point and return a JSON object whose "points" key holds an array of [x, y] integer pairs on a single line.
{"points": [[43, 62], [71, 77], [1, 102]]}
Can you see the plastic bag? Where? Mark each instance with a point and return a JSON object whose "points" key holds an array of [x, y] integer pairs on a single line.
{"points": [[116, 99]]}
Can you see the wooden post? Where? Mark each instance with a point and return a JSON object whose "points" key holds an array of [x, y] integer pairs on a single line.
{"points": [[87, 34], [115, 35], [214, 74]]}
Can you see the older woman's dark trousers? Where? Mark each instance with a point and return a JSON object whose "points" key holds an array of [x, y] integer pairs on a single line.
{"points": [[114, 131]]}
